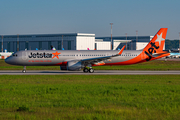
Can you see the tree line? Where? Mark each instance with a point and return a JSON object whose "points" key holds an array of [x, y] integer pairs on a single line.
{"points": [[171, 44]]}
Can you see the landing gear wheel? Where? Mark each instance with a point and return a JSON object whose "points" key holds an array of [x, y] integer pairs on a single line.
{"points": [[24, 70], [85, 70], [91, 70]]}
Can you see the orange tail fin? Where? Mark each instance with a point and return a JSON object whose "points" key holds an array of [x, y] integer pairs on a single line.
{"points": [[158, 40], [156, 45]]}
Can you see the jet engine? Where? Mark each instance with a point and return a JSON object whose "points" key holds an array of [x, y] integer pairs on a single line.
{"points": [[72, 66]]}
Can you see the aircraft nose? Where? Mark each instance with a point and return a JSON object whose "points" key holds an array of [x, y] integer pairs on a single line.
{"points": [[8, 60]]}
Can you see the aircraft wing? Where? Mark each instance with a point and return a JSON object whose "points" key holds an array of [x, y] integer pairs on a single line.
{"points": [[100, 59]]}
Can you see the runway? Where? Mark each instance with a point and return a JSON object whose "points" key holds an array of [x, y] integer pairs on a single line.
{"points": [[97, 72]]}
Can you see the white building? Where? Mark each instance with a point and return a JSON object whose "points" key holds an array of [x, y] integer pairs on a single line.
{"points": [[84, 41], [117, 44], [74, 41], [131, 42], [102, 45], [71, 41], [141, 45]]}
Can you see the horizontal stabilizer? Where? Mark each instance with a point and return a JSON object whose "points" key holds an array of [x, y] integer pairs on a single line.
{"points": [[158, 54]]}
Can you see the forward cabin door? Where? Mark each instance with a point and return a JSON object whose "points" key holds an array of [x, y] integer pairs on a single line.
{"points": [[24, 55]]}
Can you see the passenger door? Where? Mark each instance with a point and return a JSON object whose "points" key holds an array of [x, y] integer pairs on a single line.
{"points": [[24, 55]]}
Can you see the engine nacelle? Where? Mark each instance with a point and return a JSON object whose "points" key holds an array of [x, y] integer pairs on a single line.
{"points": [[72, 66]]}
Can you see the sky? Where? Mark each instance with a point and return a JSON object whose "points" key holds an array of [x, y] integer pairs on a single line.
{"points": [[90, 16]]}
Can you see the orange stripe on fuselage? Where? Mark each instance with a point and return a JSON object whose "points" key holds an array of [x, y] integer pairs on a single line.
{"points": [[61, 63], [129, 62], [139, 59]]}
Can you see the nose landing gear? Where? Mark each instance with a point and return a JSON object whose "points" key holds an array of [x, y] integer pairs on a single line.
{"points": [[24, 69]]}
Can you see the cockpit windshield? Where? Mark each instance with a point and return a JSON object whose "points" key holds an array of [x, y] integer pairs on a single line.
{"points": [[14, 54]]}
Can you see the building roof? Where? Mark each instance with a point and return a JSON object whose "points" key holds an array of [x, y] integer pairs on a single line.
{"points": [[122, 41], [48, 35]]}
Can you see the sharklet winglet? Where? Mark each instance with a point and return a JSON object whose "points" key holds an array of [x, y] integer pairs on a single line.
{"points": [[120, 52]]}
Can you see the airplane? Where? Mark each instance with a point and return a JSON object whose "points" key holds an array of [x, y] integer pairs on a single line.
{"points": [[4, 55], [85, 59], [173, 55]]}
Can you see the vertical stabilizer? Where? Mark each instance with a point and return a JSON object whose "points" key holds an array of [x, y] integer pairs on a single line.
{"points": [[156, 45], [158, 41]]}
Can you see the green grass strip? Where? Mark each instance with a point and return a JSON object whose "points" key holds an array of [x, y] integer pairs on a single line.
{"points": [[90, 97]]}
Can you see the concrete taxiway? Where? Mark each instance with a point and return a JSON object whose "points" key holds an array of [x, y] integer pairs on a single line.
{"points": [[97, 72]]}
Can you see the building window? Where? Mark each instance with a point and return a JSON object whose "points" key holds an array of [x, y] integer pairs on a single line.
{"points": [[14, 46], [8, 46], [0, 46], [59, 45], [27, 45], [40, 45], [69, 45], [49, 45]]}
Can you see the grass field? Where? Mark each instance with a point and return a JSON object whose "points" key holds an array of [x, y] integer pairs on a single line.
{"points": [[96, 97], [152, 65]]}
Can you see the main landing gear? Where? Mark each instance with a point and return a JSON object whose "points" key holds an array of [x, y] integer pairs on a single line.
{"points": [[24, 69], [90, 70]]}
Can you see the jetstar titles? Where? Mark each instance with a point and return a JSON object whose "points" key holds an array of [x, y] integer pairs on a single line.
{"points": [[40, 55]]}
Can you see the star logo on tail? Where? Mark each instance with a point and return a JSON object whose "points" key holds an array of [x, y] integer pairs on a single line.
{"points": [[56, 55], [159, 39]]}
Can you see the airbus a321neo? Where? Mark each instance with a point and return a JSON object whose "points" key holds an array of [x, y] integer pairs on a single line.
{"points": [[76, 60]]}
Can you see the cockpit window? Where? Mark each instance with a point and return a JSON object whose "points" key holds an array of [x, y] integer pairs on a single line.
{"points": [[15, 55]]}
